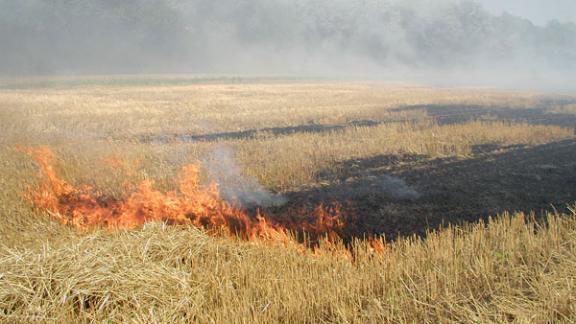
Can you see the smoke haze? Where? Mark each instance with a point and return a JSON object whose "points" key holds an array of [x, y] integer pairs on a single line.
{"points": [[442, 42], [538, 11], [234, 186]]}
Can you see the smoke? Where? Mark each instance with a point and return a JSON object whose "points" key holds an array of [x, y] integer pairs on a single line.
{"points": [[441, 41], [390, 186], [234, 186], [397, 188], [538, 11]]}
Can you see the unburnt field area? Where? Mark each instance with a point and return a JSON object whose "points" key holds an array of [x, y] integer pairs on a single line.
{"points": [[401, 160]]}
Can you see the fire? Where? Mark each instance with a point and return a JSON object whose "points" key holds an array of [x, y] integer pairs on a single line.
{"points": [[191, 204]]}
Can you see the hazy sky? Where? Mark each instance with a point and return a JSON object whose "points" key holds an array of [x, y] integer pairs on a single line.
{"points": [[539, 11]]}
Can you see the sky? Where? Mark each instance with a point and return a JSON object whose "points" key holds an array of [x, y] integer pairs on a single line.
{"points": [[538, 11]]}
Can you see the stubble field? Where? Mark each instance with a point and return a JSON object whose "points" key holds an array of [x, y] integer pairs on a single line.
{"points": [[469, 192]]}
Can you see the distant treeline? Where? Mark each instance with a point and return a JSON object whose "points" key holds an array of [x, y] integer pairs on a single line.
{"points": [[87, 36]]}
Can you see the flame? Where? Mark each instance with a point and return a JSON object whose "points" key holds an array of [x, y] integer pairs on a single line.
{"points": [[192, 204], [377, 245]]}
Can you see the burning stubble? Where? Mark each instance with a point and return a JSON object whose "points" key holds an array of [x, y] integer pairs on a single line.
{"points": [[192, 204]]}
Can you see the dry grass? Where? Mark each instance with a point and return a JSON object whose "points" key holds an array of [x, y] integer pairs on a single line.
{"points": [[303, 156], [69, 117], [95, 111], [508, 270]]}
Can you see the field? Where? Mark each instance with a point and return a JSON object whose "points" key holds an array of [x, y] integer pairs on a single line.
{"points": [[437, 204]]}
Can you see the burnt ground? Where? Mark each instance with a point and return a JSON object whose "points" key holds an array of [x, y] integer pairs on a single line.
{"points": [[404, 195], [453, 114]]}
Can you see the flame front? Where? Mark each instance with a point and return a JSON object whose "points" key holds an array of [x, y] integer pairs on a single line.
{"points": [[191, 204]]}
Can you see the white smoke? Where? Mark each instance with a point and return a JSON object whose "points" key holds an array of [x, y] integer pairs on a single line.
{"points": [[397, 188], [236, 187]]}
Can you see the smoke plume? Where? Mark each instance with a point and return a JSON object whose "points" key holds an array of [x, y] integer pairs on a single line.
{"points": [[234, 186]]}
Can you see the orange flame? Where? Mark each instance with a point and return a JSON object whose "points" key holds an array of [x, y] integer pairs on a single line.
{"points": [[191, 204]]}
